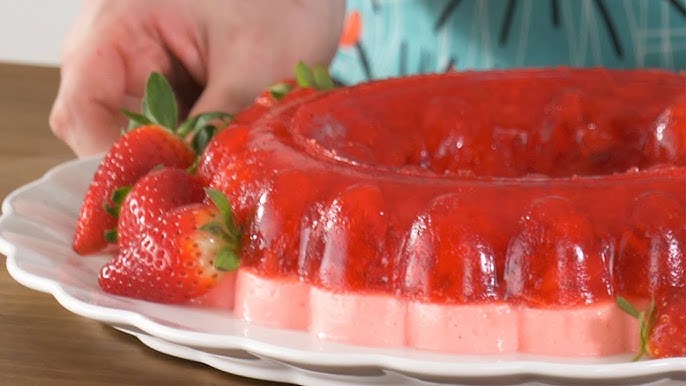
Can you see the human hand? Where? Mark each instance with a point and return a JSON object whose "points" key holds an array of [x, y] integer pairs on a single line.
{"points": [[217, 54]]}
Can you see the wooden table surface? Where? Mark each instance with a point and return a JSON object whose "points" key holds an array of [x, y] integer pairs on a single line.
{"points": [[41, 343]]}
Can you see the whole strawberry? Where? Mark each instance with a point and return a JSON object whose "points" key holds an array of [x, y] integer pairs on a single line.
{"points": [[153, 139], [179, 259], [151, 198], [133, 156], [662, 327]]}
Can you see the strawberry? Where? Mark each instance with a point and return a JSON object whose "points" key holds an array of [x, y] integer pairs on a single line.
{"points": [[182, 258], [153, 139], [133, 156], [662, 328], [151, 197]]}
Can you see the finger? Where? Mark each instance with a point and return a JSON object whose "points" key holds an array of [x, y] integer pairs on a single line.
{"points": [[106, 74], [85, 113], [220, 97], [230, 89]]}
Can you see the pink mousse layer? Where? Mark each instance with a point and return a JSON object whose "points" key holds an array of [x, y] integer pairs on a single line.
{"points": [[364, 319], [592, 330], [381, 320], [272, 302], [463, 329], [221, 296]]}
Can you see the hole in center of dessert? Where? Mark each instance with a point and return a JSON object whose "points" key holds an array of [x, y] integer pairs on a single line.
{"points": [[581, 122]]}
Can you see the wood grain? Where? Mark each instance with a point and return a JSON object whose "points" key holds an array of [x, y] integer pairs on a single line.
{"points": [[40, 342]]}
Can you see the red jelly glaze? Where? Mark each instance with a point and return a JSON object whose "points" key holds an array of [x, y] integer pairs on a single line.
{"points": [[497, 142], [450, 255], [650, 259], [355, 251], [667, 143], [220, 151], [274, 230], [555, 258]]}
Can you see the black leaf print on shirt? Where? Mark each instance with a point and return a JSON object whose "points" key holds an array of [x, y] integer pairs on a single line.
{"points": [[679, 7], [364, 60], [445, 15], [555, 12], [609, 25], [507, 22]]}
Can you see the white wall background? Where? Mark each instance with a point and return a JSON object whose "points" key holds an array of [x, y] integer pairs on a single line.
{"points": [[32, 31]]}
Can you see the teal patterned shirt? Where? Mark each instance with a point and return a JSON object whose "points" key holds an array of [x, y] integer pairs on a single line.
{"points": [[398, 37]]}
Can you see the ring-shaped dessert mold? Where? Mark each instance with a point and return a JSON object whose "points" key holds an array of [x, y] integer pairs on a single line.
{"points": [[287, 140]]}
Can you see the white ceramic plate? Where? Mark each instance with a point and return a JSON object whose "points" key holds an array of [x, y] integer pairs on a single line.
{"points": [[36, 229]]}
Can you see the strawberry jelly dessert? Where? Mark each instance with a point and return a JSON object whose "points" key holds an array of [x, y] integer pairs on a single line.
{"points": [[478, 213], [469, 213]]}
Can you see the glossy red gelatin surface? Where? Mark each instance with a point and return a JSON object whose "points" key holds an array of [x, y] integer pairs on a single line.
{"points": [[543, 187]]}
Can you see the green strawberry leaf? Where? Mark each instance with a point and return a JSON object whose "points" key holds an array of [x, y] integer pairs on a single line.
{"points": [[318, 77], [224, 206], [111, 236], [117, 199], [280, 90], [627, 307], [645, 323], [111, 210], [322, 79], [304, 76], [159, 103], [135, 119], [197, 122], [646, 326], [215, 228], [202, 138], [119, 195], [642, 336], [227, 260]]}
